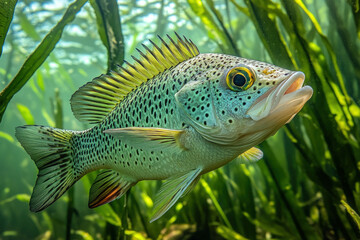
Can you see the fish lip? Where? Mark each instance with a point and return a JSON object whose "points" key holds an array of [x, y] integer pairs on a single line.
{"points": [[290, 89]]}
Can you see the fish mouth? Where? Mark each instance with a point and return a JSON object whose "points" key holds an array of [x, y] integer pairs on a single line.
{"points": [[284, 100]]}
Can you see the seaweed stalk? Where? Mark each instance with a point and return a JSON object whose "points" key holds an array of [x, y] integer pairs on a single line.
{"points": [[109, 28]]}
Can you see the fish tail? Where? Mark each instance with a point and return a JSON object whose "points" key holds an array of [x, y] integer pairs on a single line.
{"points": [[51, 150]]}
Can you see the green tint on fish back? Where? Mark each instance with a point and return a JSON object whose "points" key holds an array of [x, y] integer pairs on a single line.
{"points": [[174, 114]]}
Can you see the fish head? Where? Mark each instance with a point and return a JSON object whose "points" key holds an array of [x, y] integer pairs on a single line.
{"points": [[242, 102]]}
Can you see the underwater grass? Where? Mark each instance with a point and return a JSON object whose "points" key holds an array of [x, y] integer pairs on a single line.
{"points": [[34, 61], [7, 12], [109, 27], [307, 186]]}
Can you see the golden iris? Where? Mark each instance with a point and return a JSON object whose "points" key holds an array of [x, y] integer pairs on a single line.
{"points": [[240, 78]]}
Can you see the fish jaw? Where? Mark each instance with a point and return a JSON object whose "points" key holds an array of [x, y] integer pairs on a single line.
{"points": [[282, 101]]}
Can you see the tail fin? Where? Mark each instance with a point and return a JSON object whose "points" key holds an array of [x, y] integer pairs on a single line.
{"points": [[50, 148]]}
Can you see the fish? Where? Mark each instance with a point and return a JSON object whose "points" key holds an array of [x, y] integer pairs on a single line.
{"points": [[173, 114]]}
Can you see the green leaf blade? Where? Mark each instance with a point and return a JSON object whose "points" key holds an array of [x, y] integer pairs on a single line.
{"points": [[109, 28], [6, 15]]}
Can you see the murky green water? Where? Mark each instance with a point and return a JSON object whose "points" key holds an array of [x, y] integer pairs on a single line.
{"points": [[309, 166]]}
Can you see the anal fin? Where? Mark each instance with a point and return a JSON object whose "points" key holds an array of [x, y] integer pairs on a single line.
{"points": [[172, 190], [109, 185]]}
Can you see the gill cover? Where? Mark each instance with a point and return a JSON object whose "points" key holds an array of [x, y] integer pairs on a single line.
{"points": [[194, 101], [196, 106]]}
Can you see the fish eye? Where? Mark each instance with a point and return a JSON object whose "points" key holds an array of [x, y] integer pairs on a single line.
{"points": [[240, 78]]}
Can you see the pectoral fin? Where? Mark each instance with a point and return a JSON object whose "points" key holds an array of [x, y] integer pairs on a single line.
{"points": [[250, 156], [171, 191], [109, 185], [152, 138]]}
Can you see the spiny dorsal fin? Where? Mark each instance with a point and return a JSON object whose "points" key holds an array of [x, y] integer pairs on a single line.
{"points": [[93, 101]]}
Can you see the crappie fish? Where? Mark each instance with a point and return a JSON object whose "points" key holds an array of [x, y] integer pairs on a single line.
{"points": [[173, 114]]}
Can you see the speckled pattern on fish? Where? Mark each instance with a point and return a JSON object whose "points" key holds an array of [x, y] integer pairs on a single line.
{"points": [[174, 114]]}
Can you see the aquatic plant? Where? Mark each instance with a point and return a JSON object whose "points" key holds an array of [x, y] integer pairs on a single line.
{"points": [[307, 186]]}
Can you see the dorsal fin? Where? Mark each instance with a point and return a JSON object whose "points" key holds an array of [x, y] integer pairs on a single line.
{"points": [[96, 99]]}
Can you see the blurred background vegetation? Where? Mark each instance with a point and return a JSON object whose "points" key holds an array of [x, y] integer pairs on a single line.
{"points": [[306, 187]]}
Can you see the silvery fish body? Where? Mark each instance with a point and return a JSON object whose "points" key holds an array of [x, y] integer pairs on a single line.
{"points": [[174, 114]]}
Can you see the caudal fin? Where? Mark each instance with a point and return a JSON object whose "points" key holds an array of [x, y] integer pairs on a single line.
{"points": [[51, 151]]}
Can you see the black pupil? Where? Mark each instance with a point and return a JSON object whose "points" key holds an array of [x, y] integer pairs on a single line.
{"points": [[239, 80]]}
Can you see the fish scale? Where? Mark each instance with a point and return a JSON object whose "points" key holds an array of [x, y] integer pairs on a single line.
{"points": [[123, 116], [133, 160], [173, 114]]}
